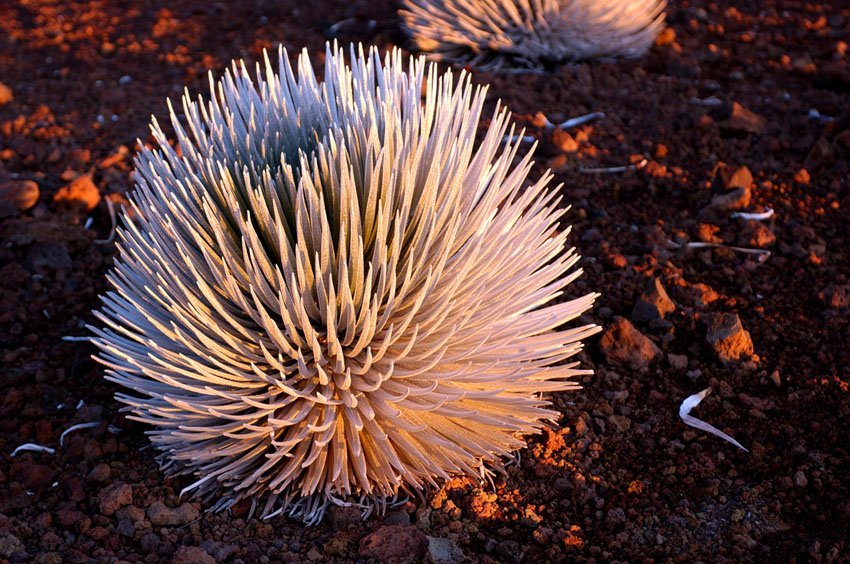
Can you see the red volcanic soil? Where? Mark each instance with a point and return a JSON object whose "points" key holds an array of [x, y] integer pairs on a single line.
{"points": [[731, 84]]}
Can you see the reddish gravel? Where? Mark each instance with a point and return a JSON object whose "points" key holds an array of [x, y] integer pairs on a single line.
{"points": [[622, 478]]}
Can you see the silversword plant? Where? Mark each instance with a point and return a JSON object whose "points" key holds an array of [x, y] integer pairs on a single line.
{"points": [[331, 292], [529, 34]]}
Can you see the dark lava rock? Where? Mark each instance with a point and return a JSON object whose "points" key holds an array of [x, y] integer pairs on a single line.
{"points": [[115, 497], [47, 255], [623, 344], [654, 303], [192, 555], [160, 515], [728, 338], [343, 517], [394, 542], [10, 545], [742, 119], [444, 551]]}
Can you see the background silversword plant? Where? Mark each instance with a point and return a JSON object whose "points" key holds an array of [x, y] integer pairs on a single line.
{"points": [[332, 292], [491, 34]]}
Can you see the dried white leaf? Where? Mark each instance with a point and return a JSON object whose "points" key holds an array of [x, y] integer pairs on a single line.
{"points": [[34, 448], [613, 169], [767, 214], [691, 402], [76, 427]]}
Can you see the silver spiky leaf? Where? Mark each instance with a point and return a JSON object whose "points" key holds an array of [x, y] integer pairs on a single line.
{"points": [[331, 292], [529, 34]]}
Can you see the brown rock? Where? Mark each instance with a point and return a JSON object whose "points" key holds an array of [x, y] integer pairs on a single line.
{"points": [[677, 361], [740, 177], [756, 234], [115, 497], [17, 196], [802, 177], [730, 201], [654, 303], [343, 517], [10, 545], [564, 141], [703, 295], [160, 515], [192, 555], [394, 542], [6, 94], [728, 338], [742, 119], [81, 194], [68, 518], [623, 344]]}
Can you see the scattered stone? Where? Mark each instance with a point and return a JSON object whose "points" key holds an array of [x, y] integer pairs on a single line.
{"points": [[654, 303], [218, 550], [564, 141], [402, 544], [160, 515], [100, 473], [81, 194], [115, 497], [742, 119], [802, 177], [776, 378], [444, 551], [728, 338], [539, 120], [666, 37], [756, 234], [623, 344], [132, 513], [192, 555], [620, 423], [53, 256], [836, 297], [678, 362], [10, 545], [615, 518], [703, 295], [739, 177], [800, 479], [398, 517], [126, 528], [17, 196], [68, 518], [343, 517], [35, 477], [730, 201], [6, 94]]}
